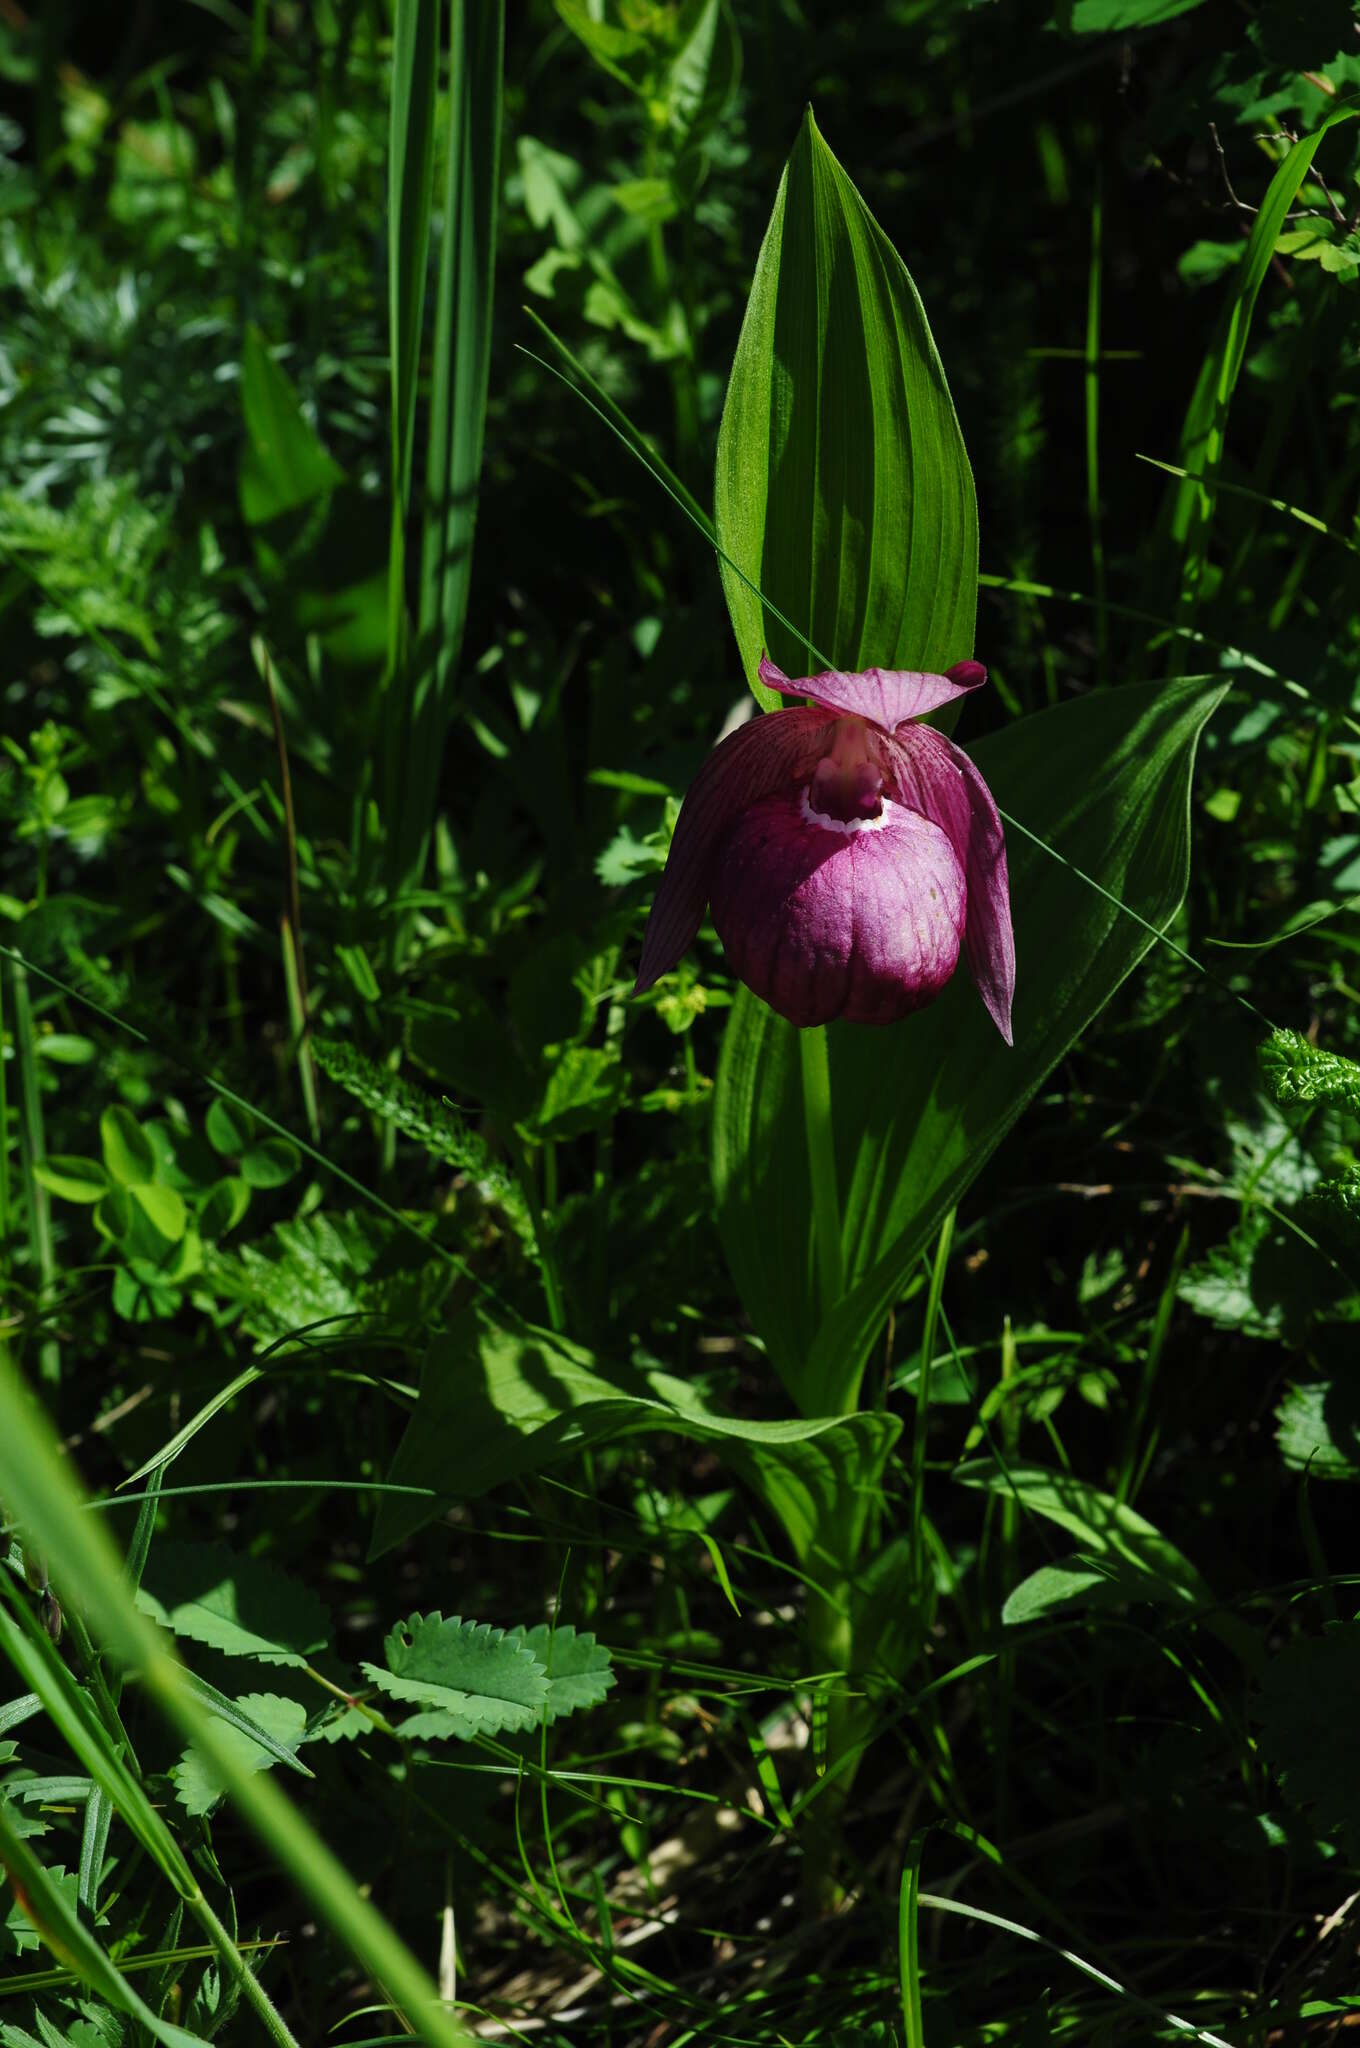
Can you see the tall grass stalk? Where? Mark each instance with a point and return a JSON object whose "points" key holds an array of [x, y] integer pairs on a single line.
{"points": [[42, 1495], [33, 1152]]}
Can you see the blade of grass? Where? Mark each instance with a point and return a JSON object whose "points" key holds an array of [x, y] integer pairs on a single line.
{"points": [[72, 1944], [40, 1489], [34, 1151], [908, 1943], [106, 1755], [921, 1429], [1093, 438], [1217, 483], [1167, 2019], [1206, 420]]}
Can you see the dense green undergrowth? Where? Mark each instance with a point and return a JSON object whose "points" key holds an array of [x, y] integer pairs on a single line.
{"points": [[416, 1306]]}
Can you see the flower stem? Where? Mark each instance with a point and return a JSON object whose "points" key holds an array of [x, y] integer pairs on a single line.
{"points": [[821, 1145], [918, 1448]]}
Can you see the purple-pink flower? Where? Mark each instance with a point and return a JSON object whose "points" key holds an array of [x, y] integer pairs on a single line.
{"points": [[846, 852]]}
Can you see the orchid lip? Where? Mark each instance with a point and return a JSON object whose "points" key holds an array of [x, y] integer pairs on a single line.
{"points": [[863, 924], [847, 827]]}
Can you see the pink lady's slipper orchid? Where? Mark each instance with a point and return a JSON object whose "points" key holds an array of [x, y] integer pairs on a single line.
{"points": [[845, 851]]}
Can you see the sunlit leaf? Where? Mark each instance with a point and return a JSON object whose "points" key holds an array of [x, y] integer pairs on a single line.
{"points": [[473, 1678], [843, 488]]}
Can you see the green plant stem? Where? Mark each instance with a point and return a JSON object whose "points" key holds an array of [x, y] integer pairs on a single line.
{"points": [[1093, 440], [1139, 1441], [552, 1286], [34, 1152], [922, 1423], [829, 1639], [821, 1145], [908, 1945], [4, 1136], [1005, 1577]]}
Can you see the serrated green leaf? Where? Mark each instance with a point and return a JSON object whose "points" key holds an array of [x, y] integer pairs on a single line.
{"points": [[237, 1604], [483, 1680], [1307, 1730], [198, 1782], [1319, 1429], [578, 1668], [843, 490], [18, 1935], [328, 1269], [235, 1715]]}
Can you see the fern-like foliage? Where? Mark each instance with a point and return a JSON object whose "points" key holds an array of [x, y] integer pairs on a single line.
{"points": [[1342, 1192], [328, 1270], [428, 1122], [1296, 1071]]}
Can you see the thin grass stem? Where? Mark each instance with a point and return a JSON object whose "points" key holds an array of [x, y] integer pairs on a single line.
{"points": [[922, 1422]]}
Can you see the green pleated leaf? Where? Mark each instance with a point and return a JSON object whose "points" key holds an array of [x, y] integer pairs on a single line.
{"points": [[843, 488], [919, 1106], [496, 1404]]}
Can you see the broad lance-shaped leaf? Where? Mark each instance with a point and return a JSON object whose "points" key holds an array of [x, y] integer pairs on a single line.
{"points": [[1115, 1540], [495, 1404], [920, 1106], [843, 489]]}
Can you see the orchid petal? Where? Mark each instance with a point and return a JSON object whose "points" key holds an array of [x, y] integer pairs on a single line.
{"points": [[886, 697], [937, 778], [767, 754], [858, 919]]}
